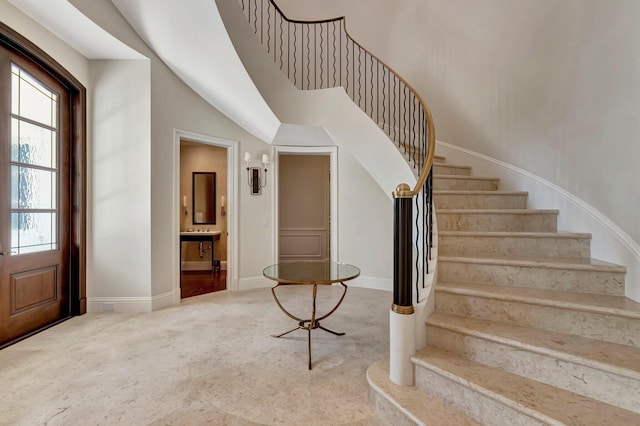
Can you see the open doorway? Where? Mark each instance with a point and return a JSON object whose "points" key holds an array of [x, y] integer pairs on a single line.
{"points": [[203, 222], [205, 225], [306, 204]]}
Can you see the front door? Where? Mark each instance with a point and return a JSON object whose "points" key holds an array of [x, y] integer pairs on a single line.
{"points": [[34, 197]]}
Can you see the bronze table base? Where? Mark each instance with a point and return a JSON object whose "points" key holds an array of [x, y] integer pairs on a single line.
{"points": [[308, 324]]}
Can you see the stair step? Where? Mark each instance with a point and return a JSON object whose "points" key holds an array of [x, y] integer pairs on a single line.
{"points": [[614, 319], [601, 370], [566, 274], [406, 405], [457, 199], [439, 159], [496, 397], [451, 169], [543, 244], [453, 182], [501, 220]]}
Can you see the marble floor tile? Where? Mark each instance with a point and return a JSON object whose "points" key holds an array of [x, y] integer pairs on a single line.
{"points": [[210, 360]]}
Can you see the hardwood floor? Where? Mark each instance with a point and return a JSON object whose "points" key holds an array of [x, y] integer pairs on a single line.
{"points": [[195, 283]]}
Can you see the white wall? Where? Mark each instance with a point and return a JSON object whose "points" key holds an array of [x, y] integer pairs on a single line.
{"points": [[176, 106], [119, 243], [551, 87], [73, 61]]}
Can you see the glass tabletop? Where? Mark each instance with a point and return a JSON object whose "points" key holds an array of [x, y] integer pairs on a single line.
{"points": [[312, 272]]}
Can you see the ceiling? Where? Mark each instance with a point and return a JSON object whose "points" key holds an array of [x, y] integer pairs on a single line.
{"points": [[189, 36]]}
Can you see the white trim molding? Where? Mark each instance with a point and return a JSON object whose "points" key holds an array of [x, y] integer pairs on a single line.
{"points": [[332, 151], [609, 242], [131, 304], [232, 205]]}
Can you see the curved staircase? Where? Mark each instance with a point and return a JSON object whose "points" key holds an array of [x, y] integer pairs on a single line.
{"points": [[527, 329]]}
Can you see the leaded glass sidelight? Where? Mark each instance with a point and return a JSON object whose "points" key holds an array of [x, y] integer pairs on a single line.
{"points": [[34, 164]]}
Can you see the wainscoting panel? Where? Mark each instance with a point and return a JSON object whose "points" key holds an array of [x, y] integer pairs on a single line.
{"points": [[304, 244]]}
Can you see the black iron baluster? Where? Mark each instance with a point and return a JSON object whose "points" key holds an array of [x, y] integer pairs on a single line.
{"points": [[334, 55], [371, 88], [321, 58], [417, 246], [359, 76], [295, 58], [308, 59], [347, 67], [269, 31], [255, 17]]}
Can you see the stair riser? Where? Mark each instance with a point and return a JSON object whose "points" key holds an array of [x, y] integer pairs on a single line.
{"points": [[592, 382], [497, 222], [482, 408], [441, 169], [388, 411], [476, 201], [600, 282], [455, 245], [465, 184], [609, 328]]}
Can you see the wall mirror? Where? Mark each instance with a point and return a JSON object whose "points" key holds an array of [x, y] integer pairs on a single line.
{"points": [[204, 198]]}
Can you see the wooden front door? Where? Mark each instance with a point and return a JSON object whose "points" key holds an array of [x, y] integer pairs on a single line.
{"points": [[35, 197]]}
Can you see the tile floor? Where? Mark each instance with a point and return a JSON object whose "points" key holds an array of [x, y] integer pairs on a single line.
{"points": [[210, 360]]}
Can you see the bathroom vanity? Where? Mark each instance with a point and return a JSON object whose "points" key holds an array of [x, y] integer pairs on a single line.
{"points": [[201, 236]]}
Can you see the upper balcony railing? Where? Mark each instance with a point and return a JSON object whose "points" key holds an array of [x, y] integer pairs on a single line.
{"points": [[321, 54]]}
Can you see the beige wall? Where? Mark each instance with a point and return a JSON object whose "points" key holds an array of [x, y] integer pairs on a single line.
{"points": [[203, 158], [304, 207]]}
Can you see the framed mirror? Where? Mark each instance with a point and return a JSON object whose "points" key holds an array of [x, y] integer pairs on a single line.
{"points": [[204, 198]]}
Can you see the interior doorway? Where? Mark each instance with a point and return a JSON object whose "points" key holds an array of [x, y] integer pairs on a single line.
{"points": [[205, 225], [306, 204], [304, 207]]}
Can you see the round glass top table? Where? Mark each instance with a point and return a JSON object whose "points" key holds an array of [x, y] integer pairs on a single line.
{"points": [[312, 273]]}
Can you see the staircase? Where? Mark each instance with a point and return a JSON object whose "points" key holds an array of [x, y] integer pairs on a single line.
{"points": [[527, 329]]}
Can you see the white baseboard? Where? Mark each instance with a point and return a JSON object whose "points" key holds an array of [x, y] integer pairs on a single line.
{"points": [[254, 282], [373, 283], [609, 242], [131, 304]]}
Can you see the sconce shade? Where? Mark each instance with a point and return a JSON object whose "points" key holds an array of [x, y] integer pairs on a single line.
{"points": [[265, 159], [247, 157]]}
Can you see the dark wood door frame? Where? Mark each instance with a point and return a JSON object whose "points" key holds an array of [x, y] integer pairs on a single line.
{"points": [[12, 40]]}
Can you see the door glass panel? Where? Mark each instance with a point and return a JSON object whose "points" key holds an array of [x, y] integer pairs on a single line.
{"points": [[34, 162], [35, 101], [36, 188], [31, 232], [32, 144]]}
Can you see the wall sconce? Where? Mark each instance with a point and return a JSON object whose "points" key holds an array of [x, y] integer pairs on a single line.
{"points": [[254, 179], [223, 212], [184, 203]]}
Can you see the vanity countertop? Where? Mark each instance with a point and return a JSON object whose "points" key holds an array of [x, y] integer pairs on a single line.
{"points": [[203, 233]]}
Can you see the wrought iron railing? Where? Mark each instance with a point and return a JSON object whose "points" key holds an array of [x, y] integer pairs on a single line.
{"points": [[321, 54]]}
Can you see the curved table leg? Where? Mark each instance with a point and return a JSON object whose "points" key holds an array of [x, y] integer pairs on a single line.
{"points": [[309, 324]]}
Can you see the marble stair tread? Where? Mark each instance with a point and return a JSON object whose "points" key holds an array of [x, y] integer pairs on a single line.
{"points": [[453, 177], [476, 192], [611, 357], [545, 403], [439, 159], [499, 211], [451, 169], [500, 234], [574, 263], [414, 404], [587, 302]]}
